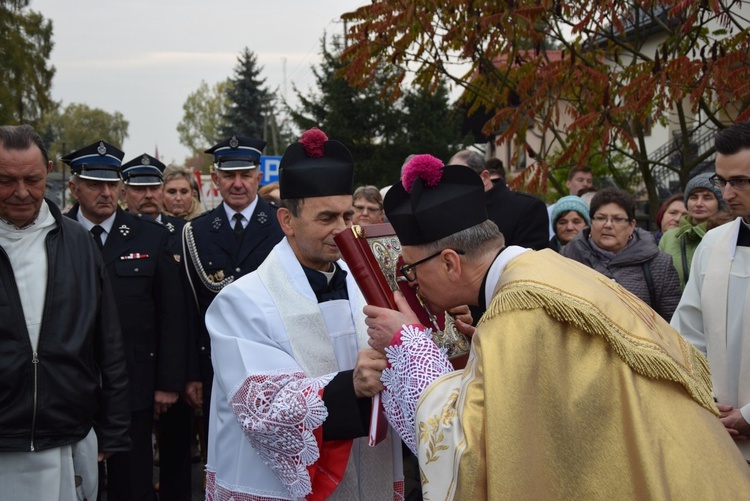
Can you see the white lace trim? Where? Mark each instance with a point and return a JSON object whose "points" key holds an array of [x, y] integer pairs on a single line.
{"points": [[414, 364], [278, 413], [218, 492]]}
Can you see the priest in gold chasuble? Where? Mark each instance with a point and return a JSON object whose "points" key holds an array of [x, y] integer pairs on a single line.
{"points": [[574, 389]]}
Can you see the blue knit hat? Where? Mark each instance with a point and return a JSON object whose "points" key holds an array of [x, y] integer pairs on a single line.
{"points": [[702, 181], [569, 203]]}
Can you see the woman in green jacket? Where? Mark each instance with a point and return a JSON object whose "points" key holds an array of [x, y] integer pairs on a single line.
{"points": [[703, 200]]}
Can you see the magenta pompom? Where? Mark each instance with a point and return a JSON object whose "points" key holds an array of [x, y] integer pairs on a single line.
{"points": [[313, 140], [425, 167]]}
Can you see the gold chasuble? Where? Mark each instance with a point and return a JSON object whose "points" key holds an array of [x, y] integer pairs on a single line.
{"points": [[575, 389]]}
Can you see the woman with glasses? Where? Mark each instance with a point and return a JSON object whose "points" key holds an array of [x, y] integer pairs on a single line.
{"points": [[703, 200], [614, 247], [368, 205]]}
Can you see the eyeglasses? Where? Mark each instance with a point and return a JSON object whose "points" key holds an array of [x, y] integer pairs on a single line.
{"points": [[410, 273], [739, 183], [617, 220], [366, 208]]}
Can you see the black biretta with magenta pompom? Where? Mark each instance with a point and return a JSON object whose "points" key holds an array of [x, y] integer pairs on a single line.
{"points": [[316, 167], [434, 201]]}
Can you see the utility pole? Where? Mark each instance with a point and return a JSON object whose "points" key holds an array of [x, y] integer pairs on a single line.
{"points": [[283, 66], [64, 184]]}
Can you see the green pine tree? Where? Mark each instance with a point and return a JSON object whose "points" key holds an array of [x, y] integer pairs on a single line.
{"points": [[249, 99], [379, 132]]}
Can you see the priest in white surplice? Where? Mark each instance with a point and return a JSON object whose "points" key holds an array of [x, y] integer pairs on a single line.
{"points": [[713, 313], [288, 406]]}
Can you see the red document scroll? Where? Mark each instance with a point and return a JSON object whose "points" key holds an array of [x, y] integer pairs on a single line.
{"points": [[373, 254]]}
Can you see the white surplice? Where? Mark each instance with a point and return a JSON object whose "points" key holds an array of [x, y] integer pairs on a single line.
{"points": [[713, 315], [274, 348]]}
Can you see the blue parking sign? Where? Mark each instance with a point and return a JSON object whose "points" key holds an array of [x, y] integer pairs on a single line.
{"points": [[269, 168]]}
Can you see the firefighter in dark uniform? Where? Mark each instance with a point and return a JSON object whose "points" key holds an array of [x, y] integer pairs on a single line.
{"points": [[143, 192], [144, 278], [224, 244]]}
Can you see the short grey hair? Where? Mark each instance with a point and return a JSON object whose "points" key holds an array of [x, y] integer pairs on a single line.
{"points": [[471, 159], [370, 193], [293, 205], [475, 241]]}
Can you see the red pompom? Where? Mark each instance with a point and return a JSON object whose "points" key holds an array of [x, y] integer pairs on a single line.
{"points": [[313, 140], [426, 167]]}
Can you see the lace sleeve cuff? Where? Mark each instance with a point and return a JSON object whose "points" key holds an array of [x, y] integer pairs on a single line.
{"points": [[414, 362], [278, 413]]}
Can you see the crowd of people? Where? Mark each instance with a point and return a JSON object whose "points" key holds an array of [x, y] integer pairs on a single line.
{"points": [[240, 328]]}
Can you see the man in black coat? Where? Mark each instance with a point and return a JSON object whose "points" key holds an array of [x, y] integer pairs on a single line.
{"points": [[224, 244], [150, 306], [64, 388], [143, 192], [521, 218]]}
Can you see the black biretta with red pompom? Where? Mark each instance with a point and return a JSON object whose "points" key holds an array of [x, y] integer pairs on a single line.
{"points": [[434, 201], [316, 167]]}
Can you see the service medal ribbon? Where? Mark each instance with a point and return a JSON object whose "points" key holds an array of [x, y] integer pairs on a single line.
{"points": [[134, 255]]}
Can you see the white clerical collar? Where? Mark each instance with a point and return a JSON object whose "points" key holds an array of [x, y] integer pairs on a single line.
{"points": [[106, 224], [246, 212], [329, 274], [496, 269]]}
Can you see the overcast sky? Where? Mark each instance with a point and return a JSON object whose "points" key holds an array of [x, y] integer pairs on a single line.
{"points": [[142, 58]]}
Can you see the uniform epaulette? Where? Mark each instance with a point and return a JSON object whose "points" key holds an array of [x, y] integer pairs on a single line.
{"points": [[173, 224], [148, 220], [202, 219]]}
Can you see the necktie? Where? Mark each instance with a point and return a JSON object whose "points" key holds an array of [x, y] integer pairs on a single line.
{"points": [[238, 229], [97, 232]]}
